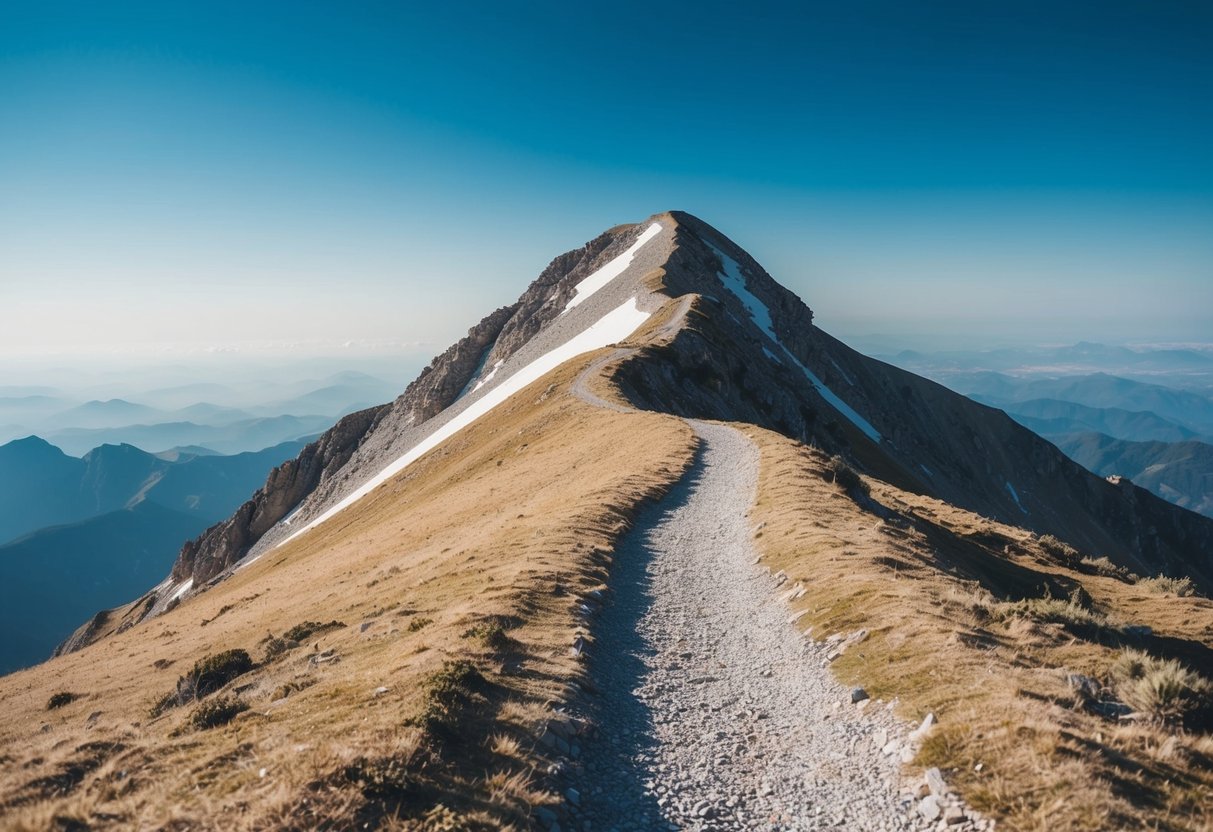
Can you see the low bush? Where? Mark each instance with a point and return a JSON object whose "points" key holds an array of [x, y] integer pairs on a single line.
{"points": [[218, 711], [275, 646], [208, 675], [1060, 551], [419, 623], [846, 476], [307, 629], [1105, 567], [447, 693], [60, 699]]}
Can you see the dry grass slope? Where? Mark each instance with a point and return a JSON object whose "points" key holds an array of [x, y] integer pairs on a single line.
{"points": [[457, 584], [1031, 656]]}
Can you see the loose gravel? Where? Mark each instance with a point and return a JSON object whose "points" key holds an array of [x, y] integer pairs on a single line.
{"points": [[713, 711]]}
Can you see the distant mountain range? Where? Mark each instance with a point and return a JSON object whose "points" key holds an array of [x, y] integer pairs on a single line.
{"points": [[1160, 437], [80, 534], [236, 420], [1097, 390], [1053, 417], [42, 486]]}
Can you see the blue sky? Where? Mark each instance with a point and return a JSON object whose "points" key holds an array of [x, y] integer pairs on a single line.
{"points": [[220, 174]]}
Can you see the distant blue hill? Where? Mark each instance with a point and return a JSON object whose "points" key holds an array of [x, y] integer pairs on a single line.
{"points": [[42, 486]]}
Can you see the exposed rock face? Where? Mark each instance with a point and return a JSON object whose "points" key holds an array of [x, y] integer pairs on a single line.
{"points": [[225, 543]]}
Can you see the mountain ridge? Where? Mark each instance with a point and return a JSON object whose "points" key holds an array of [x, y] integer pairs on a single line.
{"points": [[751, 352], [415, 609]]}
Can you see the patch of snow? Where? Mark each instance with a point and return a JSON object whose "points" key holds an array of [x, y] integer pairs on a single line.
{"points": [[839, 405], [1015, 496], [612, 269], [489, 377], [772, 355], [613, 327], [734, 281], [181, 590], [842, 372], [925, 470]]}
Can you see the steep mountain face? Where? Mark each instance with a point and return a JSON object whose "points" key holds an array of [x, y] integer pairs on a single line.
{"points": [[710, 335], [1179, 472]]}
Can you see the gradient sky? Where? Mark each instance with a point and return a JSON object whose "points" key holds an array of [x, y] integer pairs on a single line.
{"points": [[270, 176]]}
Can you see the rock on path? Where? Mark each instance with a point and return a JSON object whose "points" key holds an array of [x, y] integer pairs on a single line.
{"points": [[713, 712]]}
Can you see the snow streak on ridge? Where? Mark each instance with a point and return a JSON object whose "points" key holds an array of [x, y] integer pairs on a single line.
{"points": [[612, 269], [734, 281]]}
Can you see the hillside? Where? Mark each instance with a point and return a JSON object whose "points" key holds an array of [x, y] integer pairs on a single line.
{"points": [[620, 555], [1180, 472]]}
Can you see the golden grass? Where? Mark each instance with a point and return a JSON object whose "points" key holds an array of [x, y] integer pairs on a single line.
{"points": [[981, 624], [497, 533]]}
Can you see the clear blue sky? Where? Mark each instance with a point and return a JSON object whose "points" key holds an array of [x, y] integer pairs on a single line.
{"points": [[219, 173]]}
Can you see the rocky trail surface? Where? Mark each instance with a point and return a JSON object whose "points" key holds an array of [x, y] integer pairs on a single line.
{"points": [[712, 711]]}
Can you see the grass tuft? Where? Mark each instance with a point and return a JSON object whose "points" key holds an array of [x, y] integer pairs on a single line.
{"points": [[1162, 688], [1162, 585]]}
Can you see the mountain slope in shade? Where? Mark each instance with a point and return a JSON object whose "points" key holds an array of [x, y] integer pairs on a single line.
{"points": [[464, 536], [51, 578], [1179, 472]]}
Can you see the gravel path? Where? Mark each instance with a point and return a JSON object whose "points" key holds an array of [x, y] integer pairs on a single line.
{"points": [[713, 712]]}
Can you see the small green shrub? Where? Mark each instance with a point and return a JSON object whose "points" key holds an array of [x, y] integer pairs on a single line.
{"points": [[287, 689], [60, 699], [208, 675], [386, 778], [213, 672], [275, 646], [1162, 688], [419, 623], [218, 711], [169, 700]]}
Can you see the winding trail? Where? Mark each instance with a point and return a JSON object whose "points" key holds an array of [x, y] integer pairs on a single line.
{"points": [[713, 711]]}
